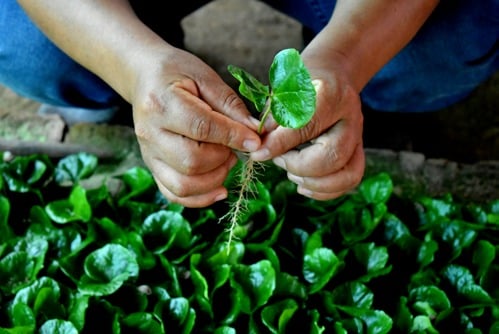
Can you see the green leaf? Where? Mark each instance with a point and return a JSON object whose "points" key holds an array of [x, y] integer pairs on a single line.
{"points": [[319, 267], [29, 294], [357, 223], [354, 294], [422, 324], [45, 304], [319, 263], [78, 305], [438, 208], [76, 208], [290, 286], [17, 270], [376, 321], [145, 258], [6, 232], [57, 326], [172, 283], [42, 297], [250, 87], [200, 285], [24, 174], [374, 259], [430, 299], [483, 256], [165, 229], [427, 251], [74, 168], [224, 330], [22, 315], [219, 254], [456, 233], [277, 316], [143, 322], [177, 314], [137, 181], [62, 241], [36, 247], [293, 94], [377, 188], [462, 280], [266, 252], [315, 328], [255, 284], [106, 269]]}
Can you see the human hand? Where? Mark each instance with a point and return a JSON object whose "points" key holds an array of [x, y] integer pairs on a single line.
{"points": [[188, 122], [334, 161]]}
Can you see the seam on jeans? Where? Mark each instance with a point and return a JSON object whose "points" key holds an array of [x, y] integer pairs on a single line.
{"points": [[489, 54]]}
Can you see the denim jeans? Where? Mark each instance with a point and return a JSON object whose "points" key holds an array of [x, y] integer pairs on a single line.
{"points": [[455, 51]]}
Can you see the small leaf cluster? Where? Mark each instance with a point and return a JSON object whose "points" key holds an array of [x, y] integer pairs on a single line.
{"points": [[290, 96], [116, 257]]}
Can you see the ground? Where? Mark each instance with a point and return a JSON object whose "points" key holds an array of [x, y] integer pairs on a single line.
{"points": [[456, 148]]}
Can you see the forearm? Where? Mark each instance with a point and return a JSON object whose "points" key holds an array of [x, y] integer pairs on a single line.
{"points": [[104, 36], [363, 35]]}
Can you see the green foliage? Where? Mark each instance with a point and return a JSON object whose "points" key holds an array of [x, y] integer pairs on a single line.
{"points": [[291, 95], [77, 260]]}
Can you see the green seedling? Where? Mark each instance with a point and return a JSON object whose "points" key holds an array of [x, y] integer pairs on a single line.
{"points": [[290, 97]]}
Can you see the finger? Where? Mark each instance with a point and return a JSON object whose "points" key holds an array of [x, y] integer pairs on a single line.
{"points": [[180, 111], [197, 201], [281, 139], [336, 184], [269, 124], [185, 155], [327, 154], [225, 100], [179, 187]]}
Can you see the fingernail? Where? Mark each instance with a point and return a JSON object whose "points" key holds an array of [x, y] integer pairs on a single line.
{"points": [[279, 162], [295, 179], [263, 154], [251, 145], [220, 197], [304, 192]]}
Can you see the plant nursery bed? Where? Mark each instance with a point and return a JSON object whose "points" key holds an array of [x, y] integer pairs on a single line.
{"points": [[76, 258]]}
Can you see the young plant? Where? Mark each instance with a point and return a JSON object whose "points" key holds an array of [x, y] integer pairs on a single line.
{"points": [[290, 97]]}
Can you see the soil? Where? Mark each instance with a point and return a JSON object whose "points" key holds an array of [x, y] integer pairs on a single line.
{"points": [[248, 33]]}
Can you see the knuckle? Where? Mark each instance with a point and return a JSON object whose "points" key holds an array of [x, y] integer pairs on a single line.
{"points": [[232, 137], [201, 129], [233, 102], [313, 129]]}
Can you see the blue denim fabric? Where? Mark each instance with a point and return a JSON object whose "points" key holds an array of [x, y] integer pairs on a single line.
{"points": [[313, 14], [455, 51], [34, 67]]}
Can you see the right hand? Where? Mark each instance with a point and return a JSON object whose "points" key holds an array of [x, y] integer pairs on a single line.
{"points": [[188, 122]]}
